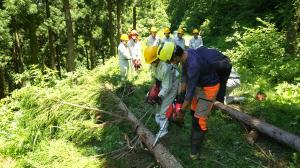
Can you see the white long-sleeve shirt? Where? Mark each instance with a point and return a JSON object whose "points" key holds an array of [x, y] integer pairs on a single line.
{"points": [[123, 52], [170, 39], [153, 41], [180, 42], [195, 43], [167, 74], [135, 49]]}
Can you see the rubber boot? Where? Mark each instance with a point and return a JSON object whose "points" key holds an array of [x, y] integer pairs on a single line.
{"points": [[197, 138]]}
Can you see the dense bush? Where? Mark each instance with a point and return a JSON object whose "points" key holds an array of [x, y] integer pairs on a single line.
{"points": [[260, 51]]}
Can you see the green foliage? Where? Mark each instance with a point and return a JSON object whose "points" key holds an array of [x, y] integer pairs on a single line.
{"points": [[260, 51], [36, 77]]}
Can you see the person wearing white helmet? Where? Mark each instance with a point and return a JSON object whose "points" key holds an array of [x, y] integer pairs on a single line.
{"points": [[196, 41], [153, 39], [179, 40], [124, 56], [167, 79]]}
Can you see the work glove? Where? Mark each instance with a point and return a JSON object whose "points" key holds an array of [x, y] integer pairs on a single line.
{"points": [[179, 118]]}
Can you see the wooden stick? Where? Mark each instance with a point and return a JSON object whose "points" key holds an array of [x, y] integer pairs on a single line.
{"points": [[278, 134]]}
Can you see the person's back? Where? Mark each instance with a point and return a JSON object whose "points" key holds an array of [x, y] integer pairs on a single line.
{"points": [[198, 72]]}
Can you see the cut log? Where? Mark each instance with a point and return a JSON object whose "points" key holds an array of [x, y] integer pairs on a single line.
{"points": [[161, 153], [278, 134]]}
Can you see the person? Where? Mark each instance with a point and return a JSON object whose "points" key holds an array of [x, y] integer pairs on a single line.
{"points": [[221, 64], [124, 56], [179, 40], [201, 80], [153, 40], [232, 83], [196, 40], [135, 49], [167, 37], [166, 76]]}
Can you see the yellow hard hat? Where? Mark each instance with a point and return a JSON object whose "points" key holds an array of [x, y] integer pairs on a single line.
{"points": [[195, 31], [153, 29], [150, 54], [180, 30], [167, 30], [124, 37], [165, 51]]}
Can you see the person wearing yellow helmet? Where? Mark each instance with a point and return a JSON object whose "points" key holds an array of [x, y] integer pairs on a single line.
{"points": [[196, 41], [153, 40], [179, 40], [135, 49], [166, 78], [167, 37], [124, 56]]}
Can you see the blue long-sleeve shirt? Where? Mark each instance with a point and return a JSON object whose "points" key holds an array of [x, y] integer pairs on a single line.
{"points": [[196, 71], [211, 55]]}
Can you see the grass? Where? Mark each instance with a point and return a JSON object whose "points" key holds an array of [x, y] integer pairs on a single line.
{"points": [[39, 131]]}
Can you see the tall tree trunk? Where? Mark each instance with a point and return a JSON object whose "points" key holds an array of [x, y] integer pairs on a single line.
{"points": [[2, 85], [92, 53], [119, 13], [50, 40], [70, 65], [134, 17], [17, 53], [34, 46], [17, 48], [111, 28], [291, 35], [87, 57], [57, 55]]}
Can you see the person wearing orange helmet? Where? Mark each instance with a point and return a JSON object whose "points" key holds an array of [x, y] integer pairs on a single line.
{"points": [[196, 40], [124, 56], [167, 37], [153, 39], [179, 40], [135, 49]]}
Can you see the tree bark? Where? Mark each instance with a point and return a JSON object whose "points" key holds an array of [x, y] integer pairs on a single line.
{"points": [[134, 17], [111, 27], [50, 39], [291, 35], [161, 153], [57, 54], [265, 128], [34, 46], [87, 57], [17, 53], [2, 85], [119, 13], [70, 65], [92, 53]]}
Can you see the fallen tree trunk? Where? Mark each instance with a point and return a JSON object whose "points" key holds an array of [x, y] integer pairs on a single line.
{"points": [[263, 127], [162, 154]]}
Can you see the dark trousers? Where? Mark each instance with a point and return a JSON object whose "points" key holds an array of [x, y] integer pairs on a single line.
{"points": [[223, 69]]}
